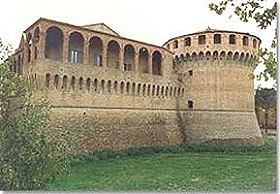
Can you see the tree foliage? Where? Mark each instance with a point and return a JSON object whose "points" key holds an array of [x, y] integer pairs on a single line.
{"points": [[30, 152], [264, 16], [265, 99]]}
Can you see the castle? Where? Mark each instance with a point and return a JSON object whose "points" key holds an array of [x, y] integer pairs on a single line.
{"points": [[113, 92]]}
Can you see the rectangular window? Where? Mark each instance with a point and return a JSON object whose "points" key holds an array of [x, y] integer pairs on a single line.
{"points": [[217, 39], [127, 66], [232, 39], [188, 41], [190, 104], [245, 40], [202, 39]]}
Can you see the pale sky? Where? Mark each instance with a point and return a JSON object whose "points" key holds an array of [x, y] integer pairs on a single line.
{"points": [[151, 21]]}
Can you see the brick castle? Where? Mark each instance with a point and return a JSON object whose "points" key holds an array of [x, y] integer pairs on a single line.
{"points": [[113, 92]]}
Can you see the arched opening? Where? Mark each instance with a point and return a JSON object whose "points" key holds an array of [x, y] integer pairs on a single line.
{"points": [[245, 41], [129, 53], [247, 57], [156, 63], [36, 38], [201, 55], [229, 55], [122, 87], [148, 90], [116, 87], [76, 48], [175, 91], [166, 91], [133, 88], [162, 91], [109, 86], [242, 57], [88, 84], [144, 90], [254, 43], [127, 88], [139, 89], [171, 92], [194, 56], [56, 81], [29, 42], [113, 50], [182, 58], [64, 82], [48, 79], [188, 57], [153, 90], [95, 51], [102, 86], [236, 56], [81, 82], [222, 55], [215, 55], [73, 80], [54, 43], [95, 85], [157, 92], [208, 55], [143, 60]]}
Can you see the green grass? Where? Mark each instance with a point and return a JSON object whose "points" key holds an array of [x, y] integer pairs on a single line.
{"points": [[202, 170]]}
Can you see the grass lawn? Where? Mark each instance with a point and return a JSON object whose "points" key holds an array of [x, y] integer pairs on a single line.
{"points": [[189, 171]]}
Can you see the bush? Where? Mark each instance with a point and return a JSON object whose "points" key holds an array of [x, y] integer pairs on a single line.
{"points": [[30, 152]]}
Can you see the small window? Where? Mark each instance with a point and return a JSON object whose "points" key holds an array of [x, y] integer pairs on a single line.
{"points": [[232, 39], [245, 41], [188, 41], [217, 39], [127, 66], [175, 44], [202, 39], [190, 72], [190, 104]]}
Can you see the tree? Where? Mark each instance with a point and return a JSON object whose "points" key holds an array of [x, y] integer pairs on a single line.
{"points": [[30, 152], [265, 100], [264, 16]]}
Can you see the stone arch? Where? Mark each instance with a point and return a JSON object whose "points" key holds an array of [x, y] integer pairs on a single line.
{"points": [[242, 57], [188, 56], [208, 55], [143, 60], [171, 91], [36, 38], [95, 85], [144, 90], [29, 43], [122, 87], [81, 83], [182, 58], [194, 56], [157, 91], [129, 53], [102, 85], [88, 83], [166, 91], [116, 87], [162, 91], [156, 63], [183, 91], [201, 55], [133, 88], [215, 55], [247, 57], [95, 51], [175, 91], [73, 80], [76, 48], [127, 88], [56, 81], [229, 55], [139, 89], [54, 43], [153, 90], [222, 55], [64, 82], [236, 56], [149, 90], [113, 53], [109, 84], [179, 91], [48, 79]]}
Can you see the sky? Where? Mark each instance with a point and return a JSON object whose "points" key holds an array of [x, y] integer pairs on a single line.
{"points": [[151, 21]]}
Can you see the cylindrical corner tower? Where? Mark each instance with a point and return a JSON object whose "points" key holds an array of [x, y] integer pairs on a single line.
{"points": [[216, 66]]}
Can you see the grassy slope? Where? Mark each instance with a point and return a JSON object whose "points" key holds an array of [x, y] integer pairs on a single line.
{"points": [[208, 171]]}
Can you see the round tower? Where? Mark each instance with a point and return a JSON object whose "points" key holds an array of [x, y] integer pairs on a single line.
{"points": [[216, 68]]}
